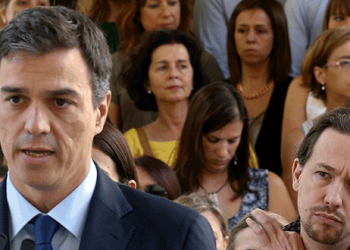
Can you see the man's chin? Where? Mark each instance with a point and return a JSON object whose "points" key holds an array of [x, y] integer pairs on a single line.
{"points": [[325, 233]]}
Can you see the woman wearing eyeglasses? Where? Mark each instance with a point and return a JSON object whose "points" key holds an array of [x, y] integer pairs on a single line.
{"points": [[326, 71], [309, 107]]}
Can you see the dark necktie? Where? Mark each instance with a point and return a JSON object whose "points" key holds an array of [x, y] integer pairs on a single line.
{"points": [[44, 229]]}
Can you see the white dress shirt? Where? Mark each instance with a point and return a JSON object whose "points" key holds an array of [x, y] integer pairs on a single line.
{"points": [[70, 213]]}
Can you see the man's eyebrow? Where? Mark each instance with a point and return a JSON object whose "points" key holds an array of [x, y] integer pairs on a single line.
{"points": [[325, 166], [61, 92], [16, 90]]}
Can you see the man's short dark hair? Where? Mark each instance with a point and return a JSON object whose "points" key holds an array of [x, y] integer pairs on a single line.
{"points": [[42, 30], [338, 119]]}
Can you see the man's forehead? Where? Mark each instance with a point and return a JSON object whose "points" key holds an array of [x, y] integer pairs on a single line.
{"points": [[54, 69], [331, 151], [71, 56]]}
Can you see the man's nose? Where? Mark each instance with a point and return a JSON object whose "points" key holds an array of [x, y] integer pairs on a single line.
{"points": [[334, 195], [37, 121]]}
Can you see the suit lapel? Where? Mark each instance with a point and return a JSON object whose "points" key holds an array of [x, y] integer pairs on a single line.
{"points": [[4, 212], [104, 227]]}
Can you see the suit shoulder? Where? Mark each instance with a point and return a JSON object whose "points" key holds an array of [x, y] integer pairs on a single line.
{"points": [[172, 225]]}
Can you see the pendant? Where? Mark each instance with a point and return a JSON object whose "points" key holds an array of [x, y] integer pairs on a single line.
{"points": [[214, 197]]}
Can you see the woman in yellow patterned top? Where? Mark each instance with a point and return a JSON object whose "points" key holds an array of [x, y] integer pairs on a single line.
{"points": [[165, 71]]}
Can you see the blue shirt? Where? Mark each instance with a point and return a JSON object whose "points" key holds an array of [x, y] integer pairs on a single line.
{"points": [[70, 213]]}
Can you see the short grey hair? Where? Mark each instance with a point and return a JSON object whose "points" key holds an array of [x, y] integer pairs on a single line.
{"points": [[43, 30], [201, 203]]}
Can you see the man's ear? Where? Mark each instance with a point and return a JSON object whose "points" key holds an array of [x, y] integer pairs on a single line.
{"points": [[296, 172], [102, 112], [320, 74], [3, 15]]}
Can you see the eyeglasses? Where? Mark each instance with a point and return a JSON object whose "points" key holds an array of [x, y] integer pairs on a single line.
{"points": [[156, 190], [342, 64]]}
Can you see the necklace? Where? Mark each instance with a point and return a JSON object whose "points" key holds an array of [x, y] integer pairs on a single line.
{"points": [[214, 195], [262, 92]]}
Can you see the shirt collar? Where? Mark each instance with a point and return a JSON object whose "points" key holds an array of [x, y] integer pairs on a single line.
{"points": [[70, 213]]}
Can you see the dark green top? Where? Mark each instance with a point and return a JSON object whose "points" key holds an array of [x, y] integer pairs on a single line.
{"points": [[112, 35]]}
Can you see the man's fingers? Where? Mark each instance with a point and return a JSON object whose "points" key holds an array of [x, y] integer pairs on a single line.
{"points": [[269, 224], [259, 231], [271, 234]]}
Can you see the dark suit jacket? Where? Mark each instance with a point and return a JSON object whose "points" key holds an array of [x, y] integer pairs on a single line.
{"points": [[120, 217]]}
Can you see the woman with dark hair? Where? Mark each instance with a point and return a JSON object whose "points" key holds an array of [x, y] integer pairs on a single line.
{"points": [[259, 62], [111, 152], [164, 73], [153, 173], [139, 18], [213, 157]]}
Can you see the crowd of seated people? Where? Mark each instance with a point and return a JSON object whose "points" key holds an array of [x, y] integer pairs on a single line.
{"points": [[141, 17], [222, 136], [213, 157]]}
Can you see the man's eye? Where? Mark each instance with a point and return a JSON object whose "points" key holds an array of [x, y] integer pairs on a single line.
{"points": [[323, 174], [16, 99], [61, 102]]}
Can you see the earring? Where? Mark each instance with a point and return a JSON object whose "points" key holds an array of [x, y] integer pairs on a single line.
{"points": [[149, 92], [323, 87], [235, 160]]}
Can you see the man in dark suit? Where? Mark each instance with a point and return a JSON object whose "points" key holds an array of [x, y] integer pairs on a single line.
{"points": [[54, 97]]}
